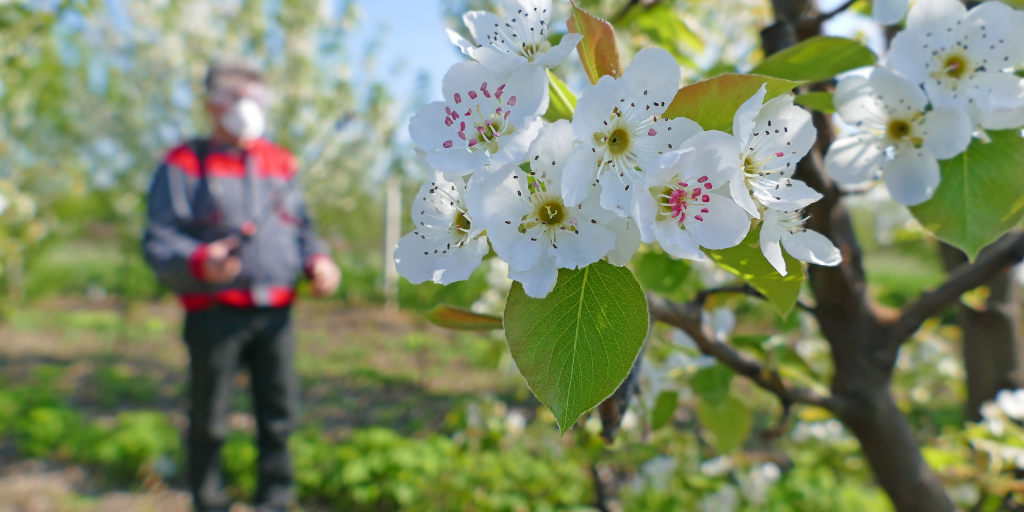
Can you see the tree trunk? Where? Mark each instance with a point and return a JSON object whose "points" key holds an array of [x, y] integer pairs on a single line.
{"points": [[892, 451], [991, 337], [860, 335]]}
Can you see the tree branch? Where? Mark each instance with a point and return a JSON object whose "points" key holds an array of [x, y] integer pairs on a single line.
{"points": [[687, 317], [745, 289], [1002, 254]]}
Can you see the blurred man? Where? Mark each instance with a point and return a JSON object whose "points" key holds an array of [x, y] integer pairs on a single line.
{"points": [[229, 234]]}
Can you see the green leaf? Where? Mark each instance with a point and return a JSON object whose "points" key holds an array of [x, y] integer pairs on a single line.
{"points": [[981, 195], [728, 421], [575, 346], [452, 317], [563, 101], [599, 51], [747, 262], [713, 102], [711, 383], [663, 25], [659, 272], [816, 59], [820, 101], [664, 409]]}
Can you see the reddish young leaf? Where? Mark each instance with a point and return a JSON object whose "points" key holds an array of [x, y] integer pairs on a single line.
{"points": [[452, 317], [599, 51]]}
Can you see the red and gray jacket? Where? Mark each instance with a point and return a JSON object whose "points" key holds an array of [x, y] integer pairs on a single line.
{"points": [[205, 191]]}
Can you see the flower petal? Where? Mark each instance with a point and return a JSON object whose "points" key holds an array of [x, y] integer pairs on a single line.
{"points": [[502, 64], [741, 194], [912, 176], [935, 14], [594, 107], [539, 280], [425, 127], [769, 241], [579, 250], [716, 155], [812, 247], [415, 258], [627, 241], [464, 44], [946, 131], [896, 92], [669, 135], [460, 262], [743, 119], [910, 54], [551, 151], [786, 194], [854, 160], [579, 174], [724, 226], [677, 242], [557, 55], [652, 78], [616, 193], [855, 103], [782, 128], [481, 24], [889, 12]]}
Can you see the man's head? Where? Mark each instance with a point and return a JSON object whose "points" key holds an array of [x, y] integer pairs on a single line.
{"points": [[236, 99]]}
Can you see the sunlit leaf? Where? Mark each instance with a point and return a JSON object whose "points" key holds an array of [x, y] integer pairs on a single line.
{"points": [[666, 29], [599, 51], [664, 409], [712, 383], [981, 195], [575, 346], [659, 272], [748, 263], [563, 101], [816, 59], [820, 101], [728, 421], [713, 102], [452, 317]]}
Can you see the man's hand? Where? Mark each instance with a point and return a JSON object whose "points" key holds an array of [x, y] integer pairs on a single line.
{"points": [[219, 266], [325, 276]]}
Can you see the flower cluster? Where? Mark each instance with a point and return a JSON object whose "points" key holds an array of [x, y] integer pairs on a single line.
{"points": [[567, 194], [951, 75]]}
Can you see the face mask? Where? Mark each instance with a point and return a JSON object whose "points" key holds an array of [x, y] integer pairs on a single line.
{"points": [[244, 119]]}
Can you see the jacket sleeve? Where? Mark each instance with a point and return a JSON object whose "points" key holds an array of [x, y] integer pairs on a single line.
{"points": [[175, 256], [311, 246]]}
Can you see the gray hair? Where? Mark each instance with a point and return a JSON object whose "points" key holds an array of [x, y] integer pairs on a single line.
{"points": [[226, 70]]}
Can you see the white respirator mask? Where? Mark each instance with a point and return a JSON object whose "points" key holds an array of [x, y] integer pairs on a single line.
{"points": [[245, 119]]}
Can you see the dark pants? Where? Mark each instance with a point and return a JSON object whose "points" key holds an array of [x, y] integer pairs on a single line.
{"points": [[219, 340]]}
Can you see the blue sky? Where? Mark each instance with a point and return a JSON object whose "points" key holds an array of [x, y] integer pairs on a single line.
{"points": [[412, 39]]}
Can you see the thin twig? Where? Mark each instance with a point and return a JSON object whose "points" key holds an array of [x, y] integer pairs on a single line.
{"points": [[687, 317], [1004, 253], [744, 288], [829, 15]]}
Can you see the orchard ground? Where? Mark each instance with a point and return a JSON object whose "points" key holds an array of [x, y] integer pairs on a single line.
{"points": [[360, 367]]}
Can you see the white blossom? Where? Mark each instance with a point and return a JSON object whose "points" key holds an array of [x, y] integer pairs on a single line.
{"points": [[965, 59], [446, 246], [772, 138], [680, 203], [618, 122], [1012, 403], [483, 121], [889, 12], [896, 134], [506, 43], [786, 229], [533, 229], [4, 203]]}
